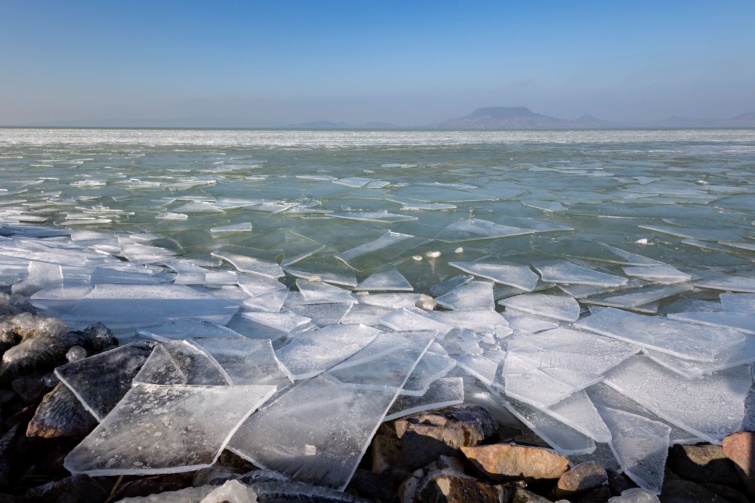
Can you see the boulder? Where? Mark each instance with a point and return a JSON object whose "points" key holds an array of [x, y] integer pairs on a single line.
{"points": [[677, 490], [69, 490], [580, 478], [504, 462], [522, 495], [702, 463], [428, 435], [740, 448], [61, 415], [448, 486]]}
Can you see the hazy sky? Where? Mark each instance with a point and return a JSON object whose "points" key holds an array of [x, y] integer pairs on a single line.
{"points": [[407, 62]]}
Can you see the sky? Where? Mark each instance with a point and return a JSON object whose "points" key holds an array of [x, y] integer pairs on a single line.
{"points": [[410, 62]]}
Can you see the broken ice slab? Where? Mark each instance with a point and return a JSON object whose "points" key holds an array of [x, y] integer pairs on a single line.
{"points": [[640, 445], [411, 319], [577, 411], [482, 321], [677, 338], [562, 271], [100, 381], [427, 207], [199, 207], [563, 439], [449, 284], [284, 321], [374, 216], [385, 280], [128, 274], [181, 363], [549, 206], [463, 342], [634, 298], [39, 276], [187, 329], [557, 307], [353, 181], [480, 367], [738, 302], [699, 234], [443, 392], [386, 248], [365, 314], [59, 300], [245, 263], [240, 227], [541, 388], [166, 429], [245, 361], [317, 292], [130, 306], [392, 300], [430, 368], [321, 315], [312, 353], [572, 350], [190, 274], [710, 408], [473, 229], [742, 322], [664, 274], [518, 276], [729, 282], [527, 324], [318, 431], [348, 280], [255, 285], [475, 295], [143, 254], [741, 354]]}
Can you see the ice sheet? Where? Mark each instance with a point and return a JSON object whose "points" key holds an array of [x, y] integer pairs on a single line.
{"points": [[710, 408], [181, 363], [742, 322], [245, 361], [430, 368], [384, 280], [165, 429], [441, 393], [730, 282], [377, 253], [518, 276], [245, 263], [475, 295], [474, 229], [738, 302], [741, 354], [684, 340], [561, 271], [557, 307]]}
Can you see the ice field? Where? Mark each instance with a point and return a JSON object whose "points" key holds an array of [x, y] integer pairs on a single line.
{"points": [[282, 293]]}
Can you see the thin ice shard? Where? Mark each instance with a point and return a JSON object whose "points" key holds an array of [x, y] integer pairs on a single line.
{"points": [[640, 445], [185, 329], [101, 381], [518, 276], [710, 408], [374, 216], [245, 263], [742, 322], [561, 271], [115, 305], [685, 340], [557, 307], [738, 302], [483, 321], [664, 274], [314, 352], [245, 361], [473, 229], [430, 368], [577, 411], [376, 253], [318, 431], [741, 354], [525, 382], [634, 298], [441, 393], [385, 280], [406, 320], [729, 282], [166, 429], [181, 363], [317, 292], [474, 295]]}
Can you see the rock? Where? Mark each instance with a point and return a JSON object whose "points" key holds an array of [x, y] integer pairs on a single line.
{"points": [[371, 485], [427, 435], [144, 486], [726, 492], [618, 482], [214, 475], [635, 495], [61, 415], [580, 478], [426, 302], [386, 454], [702, 463], [70, 490], [686, 491], [522, 495], [504, 462], [21, 417], [76, 353], [42, 344], [596, 495], [740, 448], [7, 445], [408, 488], [448, 486], [96, 338], [30, 389], [449, 463]]}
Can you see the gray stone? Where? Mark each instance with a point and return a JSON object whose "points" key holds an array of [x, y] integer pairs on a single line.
{"points": [[61, 415], [686, 491], [447, 486], [580, 478], [702, 463], [522, 495]]}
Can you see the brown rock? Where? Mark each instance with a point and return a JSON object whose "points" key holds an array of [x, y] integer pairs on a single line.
{"points": [[740, 448], [702, 463], [61, 415], [503, 462], [618, 482], [522, 495], [446, 486], [597, 495], [427, 435], [581, 478]]}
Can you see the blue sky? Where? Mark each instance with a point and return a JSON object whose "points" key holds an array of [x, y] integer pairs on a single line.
{"points": [[409, 62]]}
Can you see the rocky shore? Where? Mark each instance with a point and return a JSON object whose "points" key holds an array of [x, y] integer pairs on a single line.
{"points": [[460, 453]]}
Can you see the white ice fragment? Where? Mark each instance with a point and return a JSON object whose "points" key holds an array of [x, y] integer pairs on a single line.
{"points": [[245, 361], [519, 276], [738, 302], [677, 338], [741, 354], [284, 322], [527, 324], [240, 227], [198, 207], [186, 329], [525, 382], [365, 314], [432, 254], [639, 297], [376, 253], [729, 282], [430, 368], [311, 353], [577, 411], [166, 429], [321, 315], [664, 274], [482, 321], [635, 495], [473, 229], [478, 366], [557, 307], [410, 319], [249, 264], [39, 276], [386, 279], [348, 280], [459, 250], [710, 408], [374, 216], [317, 292], [640, 445], [474, 295], [561, 271], [742, 322]]}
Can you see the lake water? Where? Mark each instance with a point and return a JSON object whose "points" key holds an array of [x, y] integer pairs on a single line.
{"points": [[559, 259]]}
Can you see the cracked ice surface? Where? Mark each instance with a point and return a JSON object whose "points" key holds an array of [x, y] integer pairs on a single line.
{"points": [[165, 429]]}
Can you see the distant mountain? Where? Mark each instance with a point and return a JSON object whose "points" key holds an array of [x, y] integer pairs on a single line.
{"points": [[744, 120], [503, 118]]}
